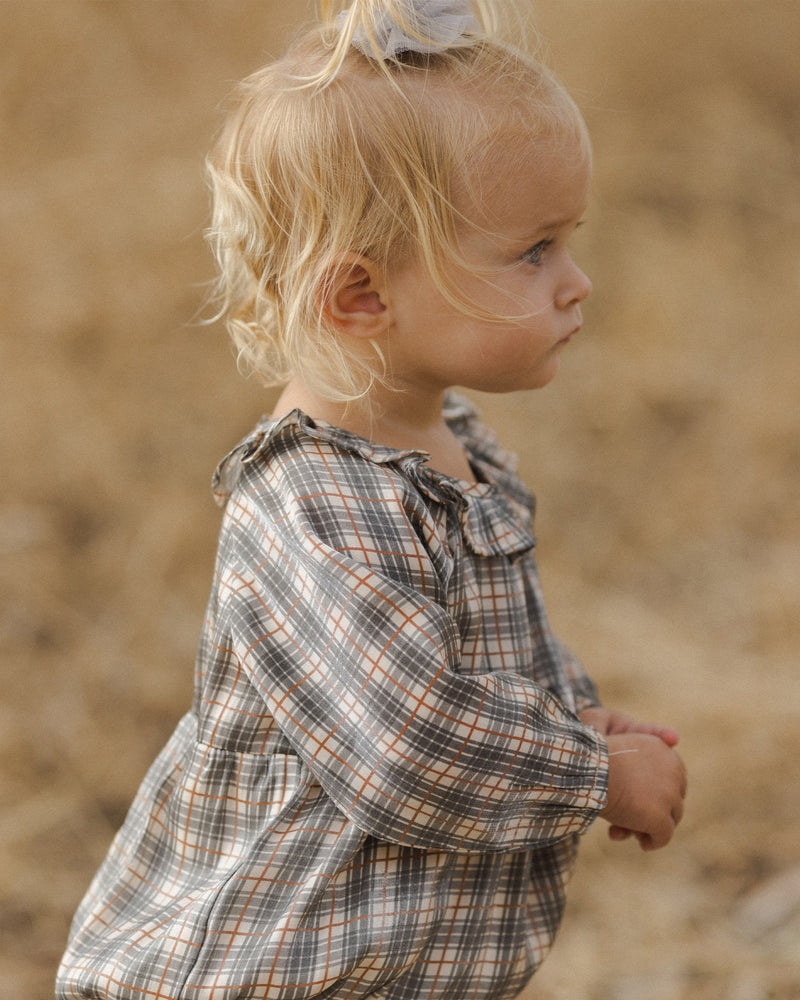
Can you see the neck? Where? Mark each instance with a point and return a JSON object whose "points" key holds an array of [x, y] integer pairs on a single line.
{"points": [[407, 420], [383, 416]]}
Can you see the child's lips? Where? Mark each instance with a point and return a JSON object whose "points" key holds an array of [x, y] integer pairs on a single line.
{"points": [[570, 335], [578, 316]]}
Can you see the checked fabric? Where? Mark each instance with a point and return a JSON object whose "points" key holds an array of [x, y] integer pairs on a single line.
{"points": [[380, 785]]}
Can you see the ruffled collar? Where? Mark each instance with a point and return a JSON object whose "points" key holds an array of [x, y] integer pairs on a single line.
{"points": [[495, 512]]}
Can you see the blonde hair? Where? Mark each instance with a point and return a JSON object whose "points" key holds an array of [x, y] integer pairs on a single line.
{"points": [[328, 152]]}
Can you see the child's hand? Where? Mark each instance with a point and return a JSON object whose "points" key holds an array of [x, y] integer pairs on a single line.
{"points": [[646, 789], [610, 723]]}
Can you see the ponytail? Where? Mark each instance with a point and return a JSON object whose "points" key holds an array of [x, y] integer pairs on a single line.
{"points": [[392, 31]]}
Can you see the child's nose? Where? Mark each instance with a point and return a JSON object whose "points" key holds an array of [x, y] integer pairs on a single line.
{"points": [[575, 288]]}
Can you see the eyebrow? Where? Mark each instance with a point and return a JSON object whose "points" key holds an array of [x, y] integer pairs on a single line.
{"points": [[563, 221], [543, 232]]}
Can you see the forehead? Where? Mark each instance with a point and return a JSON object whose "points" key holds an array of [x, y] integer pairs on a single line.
{"points": [[518, 135], [521, 187]]}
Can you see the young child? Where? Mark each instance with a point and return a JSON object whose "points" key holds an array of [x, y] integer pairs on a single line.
{"points": [[390, 758]]}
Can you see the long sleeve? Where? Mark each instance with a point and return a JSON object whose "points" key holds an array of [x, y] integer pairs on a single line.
{"points": [[584, 690], [336, 608]]}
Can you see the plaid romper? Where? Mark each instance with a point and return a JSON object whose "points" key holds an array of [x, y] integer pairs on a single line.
{"points": [[379, 787]]}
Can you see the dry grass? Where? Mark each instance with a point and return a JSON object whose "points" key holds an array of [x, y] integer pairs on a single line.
{"points": [[666, 457]]}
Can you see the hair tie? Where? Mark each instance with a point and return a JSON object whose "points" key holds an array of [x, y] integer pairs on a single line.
{"points": [[439, 23]]}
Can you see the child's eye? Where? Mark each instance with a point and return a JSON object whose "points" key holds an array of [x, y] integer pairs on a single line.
{"points": [[535, 253]]}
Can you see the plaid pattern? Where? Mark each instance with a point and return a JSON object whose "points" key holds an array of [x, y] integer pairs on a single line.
{"points": [[379, 788]]}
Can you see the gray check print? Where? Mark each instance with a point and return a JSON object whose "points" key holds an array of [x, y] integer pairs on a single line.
{"points": [[380, 785]]}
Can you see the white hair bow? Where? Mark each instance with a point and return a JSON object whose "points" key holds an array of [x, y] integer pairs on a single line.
{"points": [[441, 23]]}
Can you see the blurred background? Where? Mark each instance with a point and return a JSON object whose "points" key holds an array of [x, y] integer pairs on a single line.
{"points": [[665, 457]]}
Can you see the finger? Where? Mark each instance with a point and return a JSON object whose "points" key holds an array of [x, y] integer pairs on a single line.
{"points": [[625, 724], [657, 834], [665, 733], [648, 843], [680, 805], [683, 777], [619, 833]]}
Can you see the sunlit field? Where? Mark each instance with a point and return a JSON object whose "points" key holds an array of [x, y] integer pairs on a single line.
{"points": [[665, 457]]}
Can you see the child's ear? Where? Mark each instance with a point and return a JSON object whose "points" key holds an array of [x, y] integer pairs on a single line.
{"points": [[353, 297]]}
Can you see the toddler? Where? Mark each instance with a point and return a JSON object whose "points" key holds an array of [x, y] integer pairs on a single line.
{"points": [[390, 758]]}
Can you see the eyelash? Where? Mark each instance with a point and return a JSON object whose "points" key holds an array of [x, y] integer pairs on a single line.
{"points": [[535, 253]]}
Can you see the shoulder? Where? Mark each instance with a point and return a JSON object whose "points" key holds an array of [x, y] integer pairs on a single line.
{"points": [[323, 484]]}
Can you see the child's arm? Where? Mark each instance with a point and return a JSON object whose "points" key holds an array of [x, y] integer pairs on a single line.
{"points": [[334, 609]]}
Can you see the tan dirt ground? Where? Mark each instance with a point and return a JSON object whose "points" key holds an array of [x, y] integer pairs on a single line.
{"points": [[666, 457]]}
